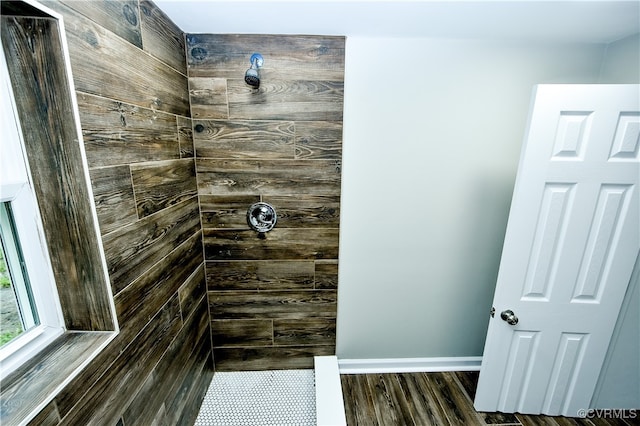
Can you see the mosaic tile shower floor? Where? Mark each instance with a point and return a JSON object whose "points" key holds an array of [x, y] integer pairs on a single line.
{"points": [[260, 398]]}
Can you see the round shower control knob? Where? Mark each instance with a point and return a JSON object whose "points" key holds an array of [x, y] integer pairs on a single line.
{"points": [[261, 217]]}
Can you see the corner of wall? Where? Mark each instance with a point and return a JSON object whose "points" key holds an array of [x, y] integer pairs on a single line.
{"points": [[621, 61]]}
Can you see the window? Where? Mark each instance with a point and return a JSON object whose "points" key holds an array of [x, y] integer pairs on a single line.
{"points": [[31, 316], [19, 312]]}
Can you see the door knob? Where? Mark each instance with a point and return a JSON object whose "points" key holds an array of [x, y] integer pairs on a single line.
{"points": [[509, 317]]}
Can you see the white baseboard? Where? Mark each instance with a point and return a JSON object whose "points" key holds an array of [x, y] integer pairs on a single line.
{"points": [[409, 365]]}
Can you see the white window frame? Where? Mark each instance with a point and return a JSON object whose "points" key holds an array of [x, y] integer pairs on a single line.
{"points": [[16, 188]]}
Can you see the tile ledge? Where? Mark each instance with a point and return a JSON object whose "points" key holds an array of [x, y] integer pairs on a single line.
{"points": [[31, 387], [329, 401]]}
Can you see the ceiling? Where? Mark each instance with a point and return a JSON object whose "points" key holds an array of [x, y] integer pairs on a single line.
{"points": [[592, 21]]}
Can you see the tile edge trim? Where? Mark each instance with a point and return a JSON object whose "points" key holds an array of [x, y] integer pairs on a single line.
{"points": [[329, 401]]}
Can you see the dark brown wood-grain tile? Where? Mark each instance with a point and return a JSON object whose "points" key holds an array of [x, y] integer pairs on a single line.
{"points": [[104, 64], [272, 296], [129, 72], [159, 185], [161, 37], [295, 57], [268, 177], [118, 133], [436, 399], [44, 103]]}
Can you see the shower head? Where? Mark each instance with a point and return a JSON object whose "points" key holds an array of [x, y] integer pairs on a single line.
{"points": [[252, 76]]}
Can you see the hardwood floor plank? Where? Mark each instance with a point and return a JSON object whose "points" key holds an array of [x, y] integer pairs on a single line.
{"points": [[437, 399], [469, 382], [426, 409], [351, 404], [532, 420], [528, 420], [629, 418], [398, 391], [499, 418], [458, 408], [366, 397], [383, 406]]}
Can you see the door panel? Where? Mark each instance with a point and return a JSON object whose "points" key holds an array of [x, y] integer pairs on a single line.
{"points": [[611, 210], [568, 358], [571, 242]]}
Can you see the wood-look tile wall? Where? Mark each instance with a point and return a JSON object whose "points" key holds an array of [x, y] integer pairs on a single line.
{"points": [[129, 72], [32, 48], [272, 296]]}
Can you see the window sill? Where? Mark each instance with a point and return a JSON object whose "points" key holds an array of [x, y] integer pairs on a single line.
{"points": [[32, 386], [24, 347]]}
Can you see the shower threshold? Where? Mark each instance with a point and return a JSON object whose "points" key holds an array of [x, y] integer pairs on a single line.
{"points": [[276, 397]]}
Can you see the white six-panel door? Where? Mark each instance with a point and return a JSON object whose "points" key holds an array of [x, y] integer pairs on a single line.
{"points": [[572, 239]]}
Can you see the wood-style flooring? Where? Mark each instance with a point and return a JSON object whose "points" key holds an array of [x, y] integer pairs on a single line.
{"points": [[438, 399]]}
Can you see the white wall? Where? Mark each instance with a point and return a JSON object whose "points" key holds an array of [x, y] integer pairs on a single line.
{"points": [[621, 62], [432, 136], [619, 383]]}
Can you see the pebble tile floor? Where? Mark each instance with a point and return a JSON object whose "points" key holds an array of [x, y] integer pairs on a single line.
{"points": [[260, 398]]}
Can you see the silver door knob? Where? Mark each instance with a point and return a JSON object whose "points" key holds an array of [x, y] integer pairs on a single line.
{"points": [[509, 317]]}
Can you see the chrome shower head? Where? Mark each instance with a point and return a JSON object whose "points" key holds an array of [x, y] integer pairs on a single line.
{"points": [[252, 76]]}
